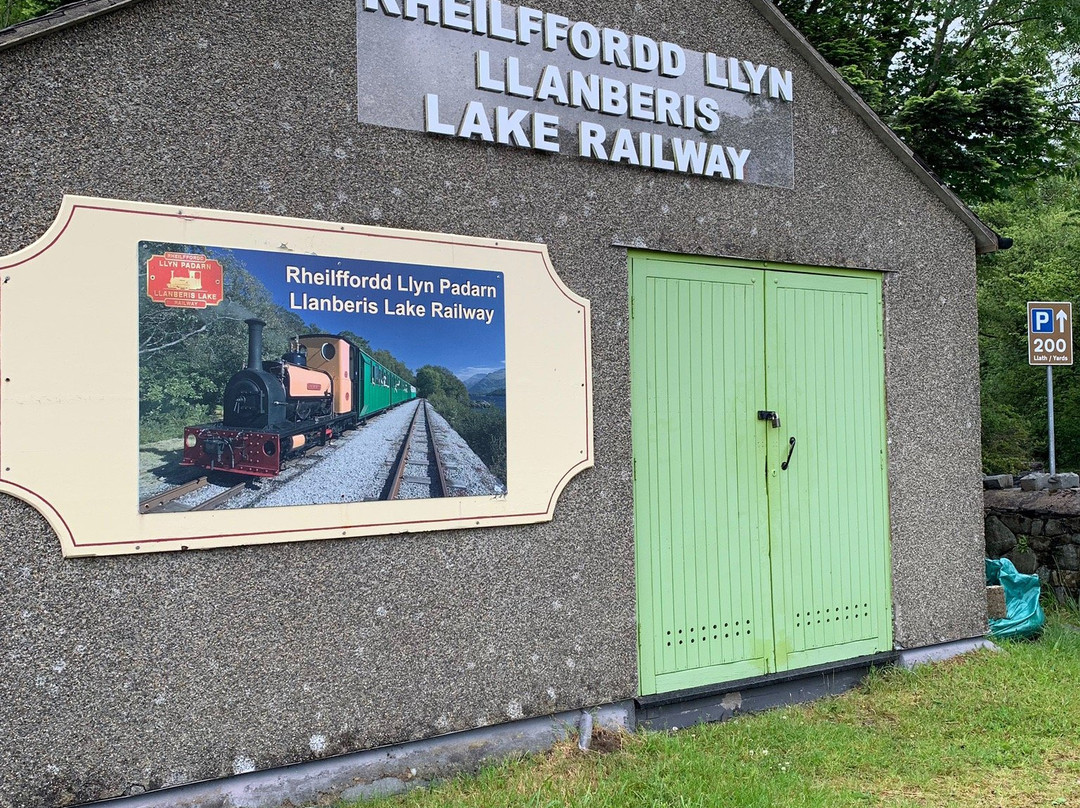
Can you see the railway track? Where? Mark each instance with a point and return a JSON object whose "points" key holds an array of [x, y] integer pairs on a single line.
{"points": [[159, 502], [418, 472], [165, 501]]}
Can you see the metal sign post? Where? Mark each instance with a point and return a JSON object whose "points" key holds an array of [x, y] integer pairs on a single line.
{"points": [[1050, 415], [1050, 342]]}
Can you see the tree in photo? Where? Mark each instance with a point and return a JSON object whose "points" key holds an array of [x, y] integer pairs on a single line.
{"points": [[483, 428]]}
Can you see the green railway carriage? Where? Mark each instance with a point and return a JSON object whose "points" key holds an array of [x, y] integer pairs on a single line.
{"points": [[276, 409]]}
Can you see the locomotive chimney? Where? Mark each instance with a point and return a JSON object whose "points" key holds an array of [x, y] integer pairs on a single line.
{"points": [[255, 349]]}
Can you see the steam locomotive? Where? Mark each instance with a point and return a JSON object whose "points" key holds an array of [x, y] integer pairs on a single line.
{"points": [[275, 410]]}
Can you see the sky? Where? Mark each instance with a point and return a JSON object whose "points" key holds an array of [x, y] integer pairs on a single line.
{"points": [[416, 336]]}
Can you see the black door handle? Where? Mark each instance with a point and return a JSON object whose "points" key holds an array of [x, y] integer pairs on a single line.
{"points": [[791, 448]]}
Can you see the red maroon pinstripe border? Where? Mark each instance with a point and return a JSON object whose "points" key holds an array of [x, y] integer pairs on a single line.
{"points": [[323, 229]]}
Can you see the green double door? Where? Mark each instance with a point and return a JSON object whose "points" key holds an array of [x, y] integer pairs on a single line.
{"points": [[760, 495]]}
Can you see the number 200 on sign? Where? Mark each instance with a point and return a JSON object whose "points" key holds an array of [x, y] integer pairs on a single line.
{"points": [[1050, 345]]}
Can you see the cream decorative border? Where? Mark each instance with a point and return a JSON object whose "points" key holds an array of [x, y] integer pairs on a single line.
{"points": [[69, 391]]}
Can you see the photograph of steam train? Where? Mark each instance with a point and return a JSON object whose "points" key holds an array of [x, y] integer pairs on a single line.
{"points": [[300, 360], [274, 410]]}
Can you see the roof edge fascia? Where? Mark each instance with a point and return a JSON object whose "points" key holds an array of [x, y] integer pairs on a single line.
{"points": [[986, 240]]}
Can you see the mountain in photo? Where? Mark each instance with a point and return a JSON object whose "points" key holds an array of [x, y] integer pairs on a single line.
{"points": [[487, 384]]}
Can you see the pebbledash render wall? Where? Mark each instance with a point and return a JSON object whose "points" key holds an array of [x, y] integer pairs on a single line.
{"points": [[135, 672]]}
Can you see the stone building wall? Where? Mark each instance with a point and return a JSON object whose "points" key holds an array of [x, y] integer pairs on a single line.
{"points": [[130, 673]]}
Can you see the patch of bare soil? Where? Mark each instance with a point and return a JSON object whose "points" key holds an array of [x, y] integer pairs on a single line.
{"points": [[605, 741]]}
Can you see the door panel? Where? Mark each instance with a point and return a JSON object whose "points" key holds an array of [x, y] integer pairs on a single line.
{"points": [[743, 566], [827, 510], [701, 515]]}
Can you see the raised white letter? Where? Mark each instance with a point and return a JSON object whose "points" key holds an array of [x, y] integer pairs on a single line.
{"points": [[431, 116]]}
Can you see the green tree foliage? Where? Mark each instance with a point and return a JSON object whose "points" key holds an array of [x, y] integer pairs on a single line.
{"points": [[980, 89], [13, 11], [982, 141], [392, 363], [1044, 222], [435, 381], [483, 428]]}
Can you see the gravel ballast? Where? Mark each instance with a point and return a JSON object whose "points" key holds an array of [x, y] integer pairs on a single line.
{"points": [[354, 468]]}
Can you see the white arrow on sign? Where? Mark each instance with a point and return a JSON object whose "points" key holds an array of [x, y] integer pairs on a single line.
{"points": [[1062, 318]]}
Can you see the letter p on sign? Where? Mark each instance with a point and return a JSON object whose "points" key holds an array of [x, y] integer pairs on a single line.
{"points": [[1042, 321]]}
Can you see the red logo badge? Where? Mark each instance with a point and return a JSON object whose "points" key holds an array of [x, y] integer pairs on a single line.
{"points": [[184, 280]]}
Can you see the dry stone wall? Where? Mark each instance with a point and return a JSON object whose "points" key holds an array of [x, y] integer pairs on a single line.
{"points": [[1039, 531]]}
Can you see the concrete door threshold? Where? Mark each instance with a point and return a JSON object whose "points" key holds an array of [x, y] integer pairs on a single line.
{"points": [[668, 711]]}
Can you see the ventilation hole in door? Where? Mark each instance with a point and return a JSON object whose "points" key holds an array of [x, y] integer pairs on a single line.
{"points": [[696, 635]]}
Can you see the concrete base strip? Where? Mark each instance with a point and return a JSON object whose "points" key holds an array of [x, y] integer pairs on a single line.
{"points": [[395, 769], [939, 653], [381, 772]]}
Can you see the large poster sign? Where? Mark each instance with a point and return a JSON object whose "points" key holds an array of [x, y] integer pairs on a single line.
{"points": [[440, 333], [521, 77], [263, 379]]}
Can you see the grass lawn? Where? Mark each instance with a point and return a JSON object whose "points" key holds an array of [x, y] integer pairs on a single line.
{"points": [[987, 729]]}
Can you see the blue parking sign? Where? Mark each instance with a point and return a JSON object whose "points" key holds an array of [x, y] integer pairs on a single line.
{"points": [[1042, 321]]}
